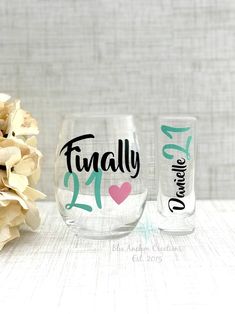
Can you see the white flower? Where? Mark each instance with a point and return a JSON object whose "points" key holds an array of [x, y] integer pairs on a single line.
{"points": [[14, 121], [19, 169], [15, 211]]}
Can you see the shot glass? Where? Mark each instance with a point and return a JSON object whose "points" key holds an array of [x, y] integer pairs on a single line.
{"points": [[176, 155]]}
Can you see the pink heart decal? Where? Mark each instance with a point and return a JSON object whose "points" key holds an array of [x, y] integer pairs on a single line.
{"points": [[119, 194]]}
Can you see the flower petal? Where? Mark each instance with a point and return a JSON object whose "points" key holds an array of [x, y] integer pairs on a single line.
{"points": [[11, 214], [7, 234], [6, 197], [32, 141], [32, 217], [9, 156], [17, 181], [27, 165], [4, 97], [21, 123], [33, 194], [34, 178]]}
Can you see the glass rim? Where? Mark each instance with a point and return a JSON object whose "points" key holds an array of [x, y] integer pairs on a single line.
{"points": [[97, 115], [177, 117]]}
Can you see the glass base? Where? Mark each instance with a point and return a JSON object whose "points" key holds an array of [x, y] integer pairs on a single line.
{"points": [[176, 224], [101, 235], [112, 222], [177, 232]]}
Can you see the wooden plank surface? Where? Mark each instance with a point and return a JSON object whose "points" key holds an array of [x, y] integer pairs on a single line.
{"points": [[53, 271]]}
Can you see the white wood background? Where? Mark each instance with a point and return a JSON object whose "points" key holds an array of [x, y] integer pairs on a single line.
{"points": [[142, 56], [52, 271]]}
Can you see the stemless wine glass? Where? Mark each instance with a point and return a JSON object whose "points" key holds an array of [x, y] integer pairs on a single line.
{"points": [[99, 179]]}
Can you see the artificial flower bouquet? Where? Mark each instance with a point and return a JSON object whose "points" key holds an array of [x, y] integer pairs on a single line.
{"points": [[19, 169]]}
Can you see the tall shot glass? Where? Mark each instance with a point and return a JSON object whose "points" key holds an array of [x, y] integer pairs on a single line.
{"points": [[176, 164]]}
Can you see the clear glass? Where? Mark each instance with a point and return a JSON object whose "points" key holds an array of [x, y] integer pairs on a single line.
{"points": [[176, 164], [99, 180]]}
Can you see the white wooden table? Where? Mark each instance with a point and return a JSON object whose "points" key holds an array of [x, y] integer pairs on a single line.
{"points": [[52, 271]]}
